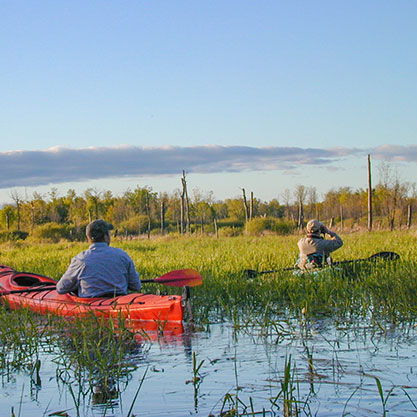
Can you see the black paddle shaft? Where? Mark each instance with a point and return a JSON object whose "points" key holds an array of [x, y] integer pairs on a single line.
{"points": [[252, 273], [385, 255]]}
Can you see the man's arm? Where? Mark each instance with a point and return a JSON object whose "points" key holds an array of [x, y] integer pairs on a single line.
{"points": [[335, 242], [69, 281]]}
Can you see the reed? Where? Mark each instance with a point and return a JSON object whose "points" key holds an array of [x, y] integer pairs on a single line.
{"points": [[22, 334], [386, 289], [99, 352], [95, 356]]}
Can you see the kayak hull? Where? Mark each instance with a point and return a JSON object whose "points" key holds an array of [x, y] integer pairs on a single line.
{"points": [[136, 308]]}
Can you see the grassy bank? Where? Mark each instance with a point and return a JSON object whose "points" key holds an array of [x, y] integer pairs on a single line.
{"points": [[383, 288]]}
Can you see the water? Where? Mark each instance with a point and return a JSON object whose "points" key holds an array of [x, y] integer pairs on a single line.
{"points": [[333, 370]]}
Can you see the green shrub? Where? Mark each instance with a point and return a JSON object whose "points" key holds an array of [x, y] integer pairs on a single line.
{"points": [[134, 226], [77, 233], [260, 225], [230, 223], [7, 236], [230, 231], [52, 232]]}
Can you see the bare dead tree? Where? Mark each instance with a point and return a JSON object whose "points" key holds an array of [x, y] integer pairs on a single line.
{"points": [[409, 215], [8, 220], [245, 205], [393, 192], [286, 197], [32, 215], [185, 205], [216, 227], [148, 213], [369, 195], [312, 200], [17, 199], [300, 196], [93, 197], [162, 216], [182, 212], [251, 206], [8, 214]]}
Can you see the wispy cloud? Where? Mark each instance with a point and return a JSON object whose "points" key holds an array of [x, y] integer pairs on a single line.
{"points": [[58, 165], [395, 153]]}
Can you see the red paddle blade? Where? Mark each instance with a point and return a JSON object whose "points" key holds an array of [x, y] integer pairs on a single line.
{"points": [[181, 278]]}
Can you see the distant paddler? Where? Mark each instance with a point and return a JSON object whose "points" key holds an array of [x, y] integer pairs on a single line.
{"points": [[314, 248]]}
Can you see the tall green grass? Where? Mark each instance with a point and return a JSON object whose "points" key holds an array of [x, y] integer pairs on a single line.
{"points": [[94, 359], [96, 356], [386, 288]]}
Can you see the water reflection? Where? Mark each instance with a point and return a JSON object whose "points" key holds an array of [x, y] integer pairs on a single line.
{"points": [[95, 363], [306, 365]]}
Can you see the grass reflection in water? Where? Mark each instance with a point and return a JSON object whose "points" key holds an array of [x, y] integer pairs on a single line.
{"points": [[335, 344]]}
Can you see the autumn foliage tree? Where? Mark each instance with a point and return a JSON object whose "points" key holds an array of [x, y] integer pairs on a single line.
{"points": [[143, 211]]}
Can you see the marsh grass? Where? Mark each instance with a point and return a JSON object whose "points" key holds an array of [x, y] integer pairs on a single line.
{"points": [[196, 379], [23, 337], [384, 288], [94, 359], [97, 354]]}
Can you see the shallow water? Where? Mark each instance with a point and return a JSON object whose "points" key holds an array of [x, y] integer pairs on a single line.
{"points": [[332, 371]]}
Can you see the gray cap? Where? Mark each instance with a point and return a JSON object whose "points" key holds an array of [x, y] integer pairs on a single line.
{"points": [[97, 229], [314, 226]]}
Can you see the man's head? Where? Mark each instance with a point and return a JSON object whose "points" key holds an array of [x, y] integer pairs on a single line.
{"points": [[314, 227], [98, 230]]}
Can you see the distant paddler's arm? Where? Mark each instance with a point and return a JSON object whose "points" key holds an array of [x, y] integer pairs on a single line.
{"points": [[334, 243]]}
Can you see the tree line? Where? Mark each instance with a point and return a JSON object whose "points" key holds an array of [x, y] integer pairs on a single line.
{"points": [[142, 211]]}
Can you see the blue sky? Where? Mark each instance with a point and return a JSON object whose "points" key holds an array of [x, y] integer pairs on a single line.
{"points": [[240, 94]]}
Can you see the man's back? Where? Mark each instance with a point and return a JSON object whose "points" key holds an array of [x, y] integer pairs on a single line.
{"points": [[100, 270], [311, 244]]}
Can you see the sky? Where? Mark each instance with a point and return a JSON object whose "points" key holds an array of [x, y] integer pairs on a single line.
{"points": [[262, 95]]}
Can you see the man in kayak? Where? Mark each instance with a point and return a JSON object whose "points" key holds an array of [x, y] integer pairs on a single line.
{"points": [[101, 270], [314, 248]]}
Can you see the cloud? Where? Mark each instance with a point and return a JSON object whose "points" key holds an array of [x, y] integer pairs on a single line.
{"points": [[57, 165], [395, 153]]}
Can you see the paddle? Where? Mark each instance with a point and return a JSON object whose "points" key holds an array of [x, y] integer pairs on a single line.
{"points": [[386, 256], [178, 278]]}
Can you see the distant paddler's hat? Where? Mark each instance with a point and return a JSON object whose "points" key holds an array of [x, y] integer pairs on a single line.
{"points": [[97, 229], [314, 227]]}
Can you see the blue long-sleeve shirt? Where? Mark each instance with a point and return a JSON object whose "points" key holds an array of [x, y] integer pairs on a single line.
{"points": [[100, 270]]}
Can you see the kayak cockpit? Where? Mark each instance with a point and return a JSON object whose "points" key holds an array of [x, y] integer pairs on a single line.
{"points": [[24, 279]]}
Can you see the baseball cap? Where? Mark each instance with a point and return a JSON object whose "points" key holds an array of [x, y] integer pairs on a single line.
{"points": [[97, 229], [314, 226]]}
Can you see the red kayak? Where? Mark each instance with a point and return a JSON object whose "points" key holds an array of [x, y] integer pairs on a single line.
{"points": [[25, 289]]}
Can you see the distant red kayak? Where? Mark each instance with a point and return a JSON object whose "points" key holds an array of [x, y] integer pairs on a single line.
{"points": [[25, 289]]}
